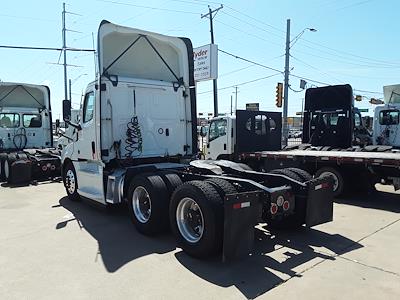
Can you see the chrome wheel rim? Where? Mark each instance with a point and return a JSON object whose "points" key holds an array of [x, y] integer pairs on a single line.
{"points": [[141, 204], [335, 179], [189, 219], [70, 182]]}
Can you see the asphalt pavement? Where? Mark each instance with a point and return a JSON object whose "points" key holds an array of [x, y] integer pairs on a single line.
{"points": [[51, 248]]}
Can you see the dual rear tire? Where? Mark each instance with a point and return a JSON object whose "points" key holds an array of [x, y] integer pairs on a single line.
{"points": [[193, 210]]}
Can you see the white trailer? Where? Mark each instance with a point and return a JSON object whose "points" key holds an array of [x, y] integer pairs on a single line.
{"points": [[136, 143], [26, 137]]}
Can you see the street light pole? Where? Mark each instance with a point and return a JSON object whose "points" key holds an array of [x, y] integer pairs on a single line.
{"points": [[286, 85], [289, 44]]}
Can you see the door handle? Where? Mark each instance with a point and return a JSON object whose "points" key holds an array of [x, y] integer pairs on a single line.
{"points": [[224, 146]]}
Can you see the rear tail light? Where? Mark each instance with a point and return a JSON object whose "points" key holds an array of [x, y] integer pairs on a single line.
{"points": [[274, 208], [44, 168], [286, 205]]}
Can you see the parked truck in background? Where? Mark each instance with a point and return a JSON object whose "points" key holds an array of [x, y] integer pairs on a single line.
{"points": [[136, 143], [327, 149], [386, 118], [26, 137]]}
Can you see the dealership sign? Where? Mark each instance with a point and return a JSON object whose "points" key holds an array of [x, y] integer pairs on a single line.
{"points": [[205, 62]]}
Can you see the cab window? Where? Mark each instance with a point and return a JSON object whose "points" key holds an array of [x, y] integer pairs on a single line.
{"points": [[217, 129], [88, 107], [389, 117], [32, 120], [357, 120], [9, 120]]}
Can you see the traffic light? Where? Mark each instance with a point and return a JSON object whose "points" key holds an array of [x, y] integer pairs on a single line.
{"points": [[279, 94], [358, 97]]}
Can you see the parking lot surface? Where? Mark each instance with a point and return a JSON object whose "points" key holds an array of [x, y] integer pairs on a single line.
{"points": [[51, 248]]}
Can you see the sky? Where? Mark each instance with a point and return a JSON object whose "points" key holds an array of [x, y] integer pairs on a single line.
{"points": [[356, 42]]}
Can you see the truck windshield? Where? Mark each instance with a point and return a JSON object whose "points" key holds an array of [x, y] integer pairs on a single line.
{"points": [[389, 117], [217, 129], [9, 120]]}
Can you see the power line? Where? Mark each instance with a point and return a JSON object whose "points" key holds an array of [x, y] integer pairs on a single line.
{"points": [[242, 83], [150, 7], [250, 61], [45, 48]]}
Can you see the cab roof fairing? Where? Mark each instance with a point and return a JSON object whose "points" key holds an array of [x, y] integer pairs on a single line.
{"points": [[24, 95], [117, 55]]}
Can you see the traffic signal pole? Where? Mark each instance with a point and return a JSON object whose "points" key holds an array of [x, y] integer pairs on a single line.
{"points": [[285, 129]]}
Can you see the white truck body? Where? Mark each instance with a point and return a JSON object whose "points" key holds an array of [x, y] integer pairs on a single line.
{"points": [[25, 117], [387, 118], [142, 105]]}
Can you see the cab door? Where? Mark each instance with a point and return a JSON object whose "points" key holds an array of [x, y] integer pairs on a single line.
{"points": [[88, 166], [217, 144]]}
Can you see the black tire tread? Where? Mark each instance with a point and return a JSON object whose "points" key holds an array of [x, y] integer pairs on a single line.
{"points": [[210, 244], [288, 173], [305, 176], [222, 186]]}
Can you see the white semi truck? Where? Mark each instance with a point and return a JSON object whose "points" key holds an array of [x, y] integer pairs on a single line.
{"points": [[26, 138], [387, 118], [136, 143]]}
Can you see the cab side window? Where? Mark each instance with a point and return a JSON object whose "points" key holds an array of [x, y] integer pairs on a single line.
{"points": [[217, 129], [88, 107]]}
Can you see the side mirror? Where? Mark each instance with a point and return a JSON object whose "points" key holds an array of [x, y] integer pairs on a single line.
{"points": [[66, 110], [203, 131]]}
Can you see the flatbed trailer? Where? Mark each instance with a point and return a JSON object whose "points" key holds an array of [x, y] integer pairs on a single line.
{"points": [[355, 168]]}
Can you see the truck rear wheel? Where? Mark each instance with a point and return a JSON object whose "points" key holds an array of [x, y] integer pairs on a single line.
{"points": [[222, 186], [338, 185], [10, 159], [148, 204], [196, 216], [71, 182], [3, 157]]}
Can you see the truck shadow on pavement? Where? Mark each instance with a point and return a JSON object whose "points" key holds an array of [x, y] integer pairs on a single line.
{"points": [[277, 256], [388, 201], [118, 241]]}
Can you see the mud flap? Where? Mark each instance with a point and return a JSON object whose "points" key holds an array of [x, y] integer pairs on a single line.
{"points": [[20, 172], [241, 213], [320, 201]]}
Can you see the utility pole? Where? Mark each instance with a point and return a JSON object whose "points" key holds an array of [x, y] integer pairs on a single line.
{"points": [[286, 85], [70, 91], [210, 15], [231, 104], [65, 53], [236, 92]]}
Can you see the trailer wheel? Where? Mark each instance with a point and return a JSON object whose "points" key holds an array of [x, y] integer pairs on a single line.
{"points": [[196, 215], [338, 185], [222, 186], [148, 204], [305, 176], [287, 173], [71, 182]]}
